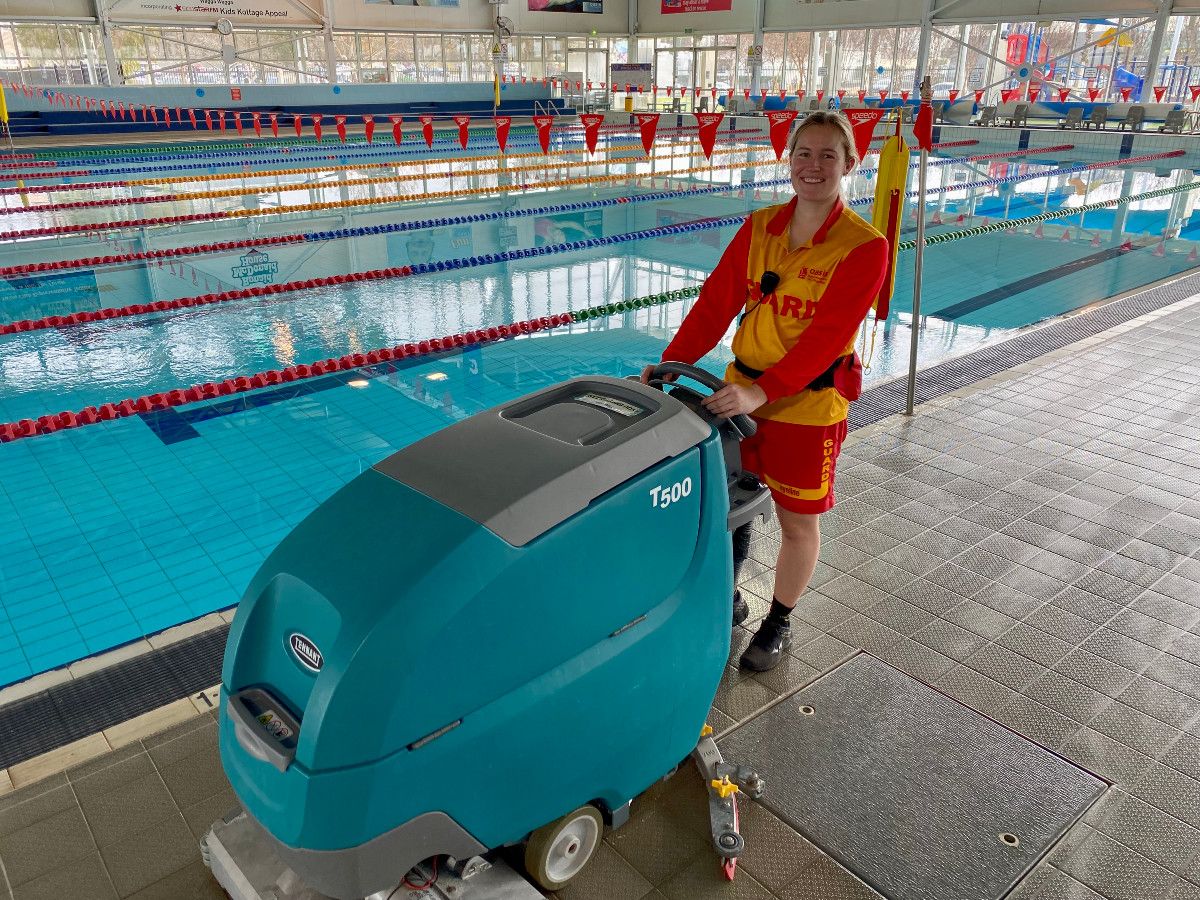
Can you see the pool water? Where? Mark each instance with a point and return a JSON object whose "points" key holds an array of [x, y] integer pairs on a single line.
{"points": [[115, 531]]}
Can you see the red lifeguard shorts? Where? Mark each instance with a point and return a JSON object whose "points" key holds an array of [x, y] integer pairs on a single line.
{"points": [[796, 462]]}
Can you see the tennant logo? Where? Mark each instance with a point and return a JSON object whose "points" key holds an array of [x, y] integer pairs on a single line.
{"points": [[256, 268], [306, 651]]}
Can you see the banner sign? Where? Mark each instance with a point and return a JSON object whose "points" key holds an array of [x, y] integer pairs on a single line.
{"points": [[543, 123], [591, 129], [695, 6], [462, 122], [427, 129], [242, 12], [503, 123], [639, 76], [570, 6]]}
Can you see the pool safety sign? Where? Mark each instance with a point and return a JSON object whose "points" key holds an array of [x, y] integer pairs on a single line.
{"points": [[255, 267]]}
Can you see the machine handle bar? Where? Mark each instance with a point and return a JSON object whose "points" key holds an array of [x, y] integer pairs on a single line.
{"points": [[742, 424]]}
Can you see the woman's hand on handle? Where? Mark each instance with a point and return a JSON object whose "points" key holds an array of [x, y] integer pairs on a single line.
{"points": [[648, 373], [735, 399]]}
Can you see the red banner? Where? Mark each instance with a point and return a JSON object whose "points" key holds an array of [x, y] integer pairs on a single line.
{"points": [[841, 93], [256, 118], [153, 114], [882, 96], [707, 125], [237, 121], [274, 117], [781, 125], [1033, 93], [192, 118], [820, 96], [427, 129], [543, 123], [221, 120], [339, 123], [863, 121], [979, 96], [591, 129], [369, 128], [923, 127], [167, 115], [648, 123], [1125, 92], [396, 120], [1195, 89], [316, 123], [694, 6], [1159, 90], [904, 96], [862, 96], [462, 122], [1063, 94], [503, 123], [953, 96], [207, 119], [1093, 93]]}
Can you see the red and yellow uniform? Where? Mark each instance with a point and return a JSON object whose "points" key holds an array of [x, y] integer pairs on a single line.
{"points": [[792, 335]]}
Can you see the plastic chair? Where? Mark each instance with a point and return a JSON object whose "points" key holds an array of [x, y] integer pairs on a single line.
{"points": [[1174, 121], [1098, 117], [1020, 115], [1074, 119], [1134, 118], [987, 116]]}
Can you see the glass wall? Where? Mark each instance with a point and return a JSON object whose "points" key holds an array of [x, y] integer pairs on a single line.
{"points": [[51, 54]]}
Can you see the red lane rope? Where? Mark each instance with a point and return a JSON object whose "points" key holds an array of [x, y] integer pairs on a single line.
{"points": [[209, 390]]}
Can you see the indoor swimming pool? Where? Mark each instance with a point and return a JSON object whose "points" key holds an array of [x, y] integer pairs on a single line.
{"points": [[123, 528]]}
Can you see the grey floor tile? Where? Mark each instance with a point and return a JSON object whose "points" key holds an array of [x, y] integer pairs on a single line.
{"points": [[115, 814], [45, 846], [1161, 702], [949, 639], [657, 846], [1133, 728], [1149, 831], [1115, 871], [607, 877], [150, 854], [775, 854], [826, 880], [1107, 757], [1034, 644], [1095, 672], [39, 801], [703, 880], [1066, 696], [84, 877], [1005, 666], [1049, 883], [193, 882]]}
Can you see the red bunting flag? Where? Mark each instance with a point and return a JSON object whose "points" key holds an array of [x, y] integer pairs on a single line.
{"points": [[591, 129], [781, 125], [882, 96], [192, 118], [1093, 93], [368, 127], [316, 123], [179, 115], [427, 129], [904, 96], [1033, 93], [820, 96], [648, 123], [503, 123], [1195, 89], [783, 95], [543, 123], [862, 96], [841, 93], [256, 118], [746, 91], [863, 121], [208, 120], [339, 123], [274, 117], [298, 124], [706, 128], [799, 94], [104, 108], [1063, 94], [221, 119], [237, 122], [1125, 92], [953, 96], [979, 96], [167, 115], [396, 122], [1159, 90], [153, 114], [462, 122]]}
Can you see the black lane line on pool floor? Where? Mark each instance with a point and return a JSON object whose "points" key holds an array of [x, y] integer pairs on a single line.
{"points": [[88, 705]]}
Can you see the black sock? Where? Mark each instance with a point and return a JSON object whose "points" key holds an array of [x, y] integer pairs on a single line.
{"points": [[741, 548], [779, 613]]}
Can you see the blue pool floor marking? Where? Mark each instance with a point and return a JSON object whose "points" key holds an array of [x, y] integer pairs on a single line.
{"points": [[1126, 145], [177, 424], [980, 301], [1023, 143]]}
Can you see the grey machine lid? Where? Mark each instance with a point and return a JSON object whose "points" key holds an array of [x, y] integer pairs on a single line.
{"points": [[523, 467]]}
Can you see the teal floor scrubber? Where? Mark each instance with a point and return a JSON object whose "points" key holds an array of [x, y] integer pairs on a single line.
{"points": [[501, 634]]}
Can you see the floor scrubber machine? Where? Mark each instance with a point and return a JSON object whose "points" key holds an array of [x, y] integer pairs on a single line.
{"points": [[501, 634]]}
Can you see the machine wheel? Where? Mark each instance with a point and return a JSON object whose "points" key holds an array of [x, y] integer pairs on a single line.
{"points": [[557, 852]]}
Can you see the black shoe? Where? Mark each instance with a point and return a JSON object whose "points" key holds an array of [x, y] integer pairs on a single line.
{"points": [[767, 646], [741, 609]]}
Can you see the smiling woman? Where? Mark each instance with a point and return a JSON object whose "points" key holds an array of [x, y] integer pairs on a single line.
{"points": [[804, 274]]}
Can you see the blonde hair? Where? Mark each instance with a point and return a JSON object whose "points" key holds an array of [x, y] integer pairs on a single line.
{"points": [[837, 122]]}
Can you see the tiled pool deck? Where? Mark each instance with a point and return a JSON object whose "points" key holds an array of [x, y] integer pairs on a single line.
{"points": [[1030, 546]]}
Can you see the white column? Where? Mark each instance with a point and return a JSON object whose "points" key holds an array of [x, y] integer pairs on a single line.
{"points": [[110, 54], [923, 44], [1154, 63], [330, 49], [760, 11]]}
